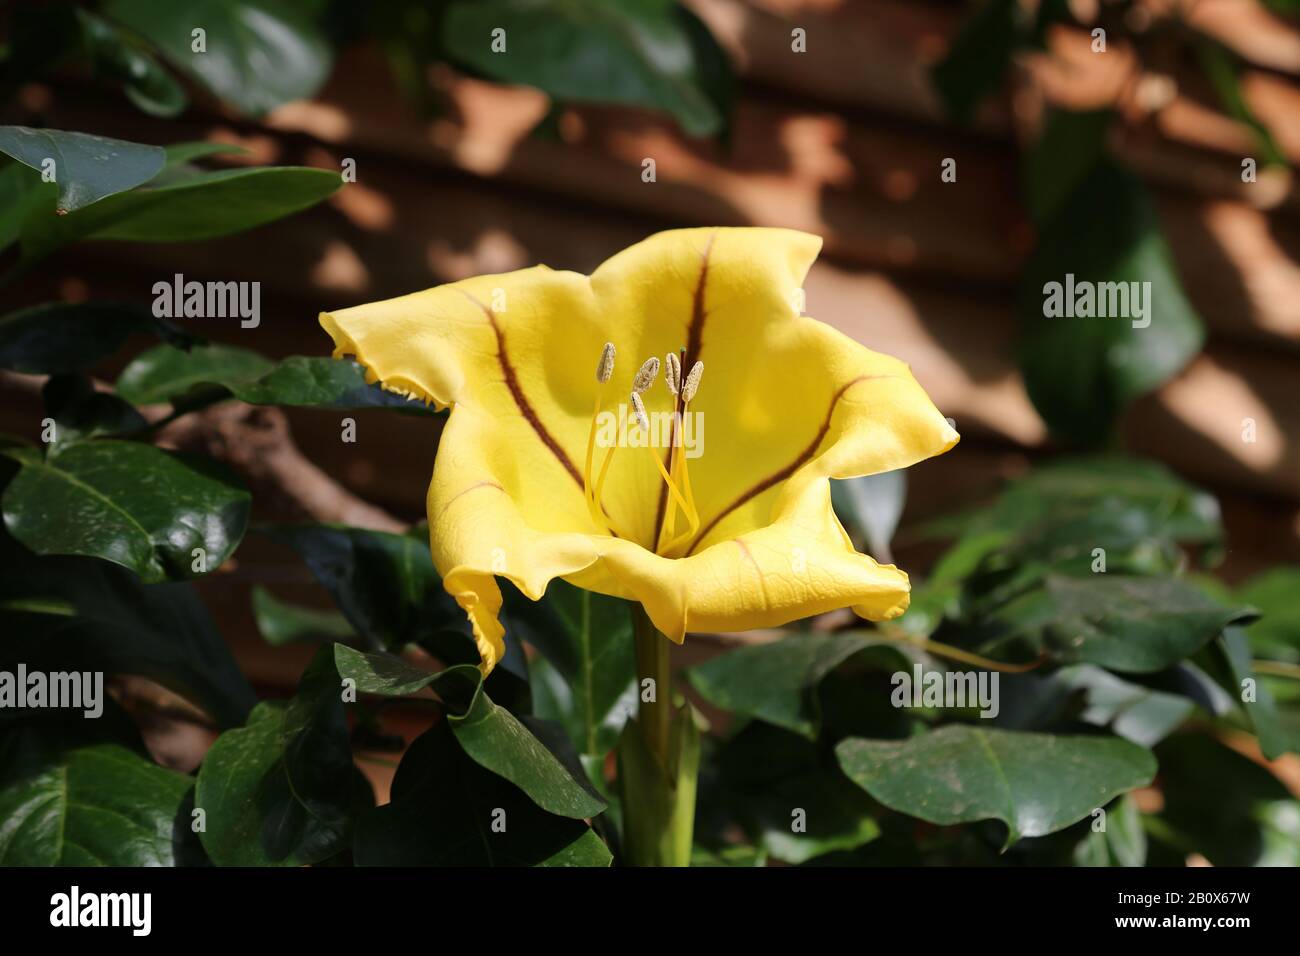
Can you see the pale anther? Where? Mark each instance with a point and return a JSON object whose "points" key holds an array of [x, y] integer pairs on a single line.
{"points": [[606, 367], [673, 372], [646, 375], [638, 408], [692, 383]]}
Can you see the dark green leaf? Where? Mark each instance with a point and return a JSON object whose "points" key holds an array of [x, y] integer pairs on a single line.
{"points": [[496, 740], [794, 802], [449, 811], [1034, 783], [1082, 371], [146, 83], [23, 198], [1070, 146], [80, 412], [282, 623], [1253, 693], [586, 678], [1277, 595], [391, 676], [979, 56], [492, 736], [283, 790], [637, 53], [1123, 842], [54, 611], [128, 503], [167, 374], [86, 168], [1246, 818], [777, 682], [386, 586], [1137, 713], [67, 337], [1128, 624], [713, 74], [1137, 512], [257, 54], [203, 205], [72, 796]]}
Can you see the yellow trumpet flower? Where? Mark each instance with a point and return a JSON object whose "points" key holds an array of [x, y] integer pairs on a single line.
{"points": [[789, 403]]}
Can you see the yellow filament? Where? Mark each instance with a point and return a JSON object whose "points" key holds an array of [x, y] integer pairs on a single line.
{"points": [[670, 515], [597, 511], [591, 492], [680, 463], [672, 487]]}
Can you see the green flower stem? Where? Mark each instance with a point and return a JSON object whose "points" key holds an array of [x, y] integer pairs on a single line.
{"points": [[654, 716], [658, 761]]}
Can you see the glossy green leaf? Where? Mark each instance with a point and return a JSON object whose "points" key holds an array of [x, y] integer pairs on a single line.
{"points": [[1123, 842], [586, 678], [201, 205], [256, 54], [58, 610], [69, 337], [128, 503], [391, 676], [70, 796], [280, 622], [86, 168], [146, 83], [22, 198], [80, 411], [636, 53], [447, 810], [1275, 593], [168, 374], [1127, 624], [492, 736], [1082, 371], [1034, 783], [386, 586], [777, 682], [1067, 516], [794, 802], [282, 790], [1246, 818], [1253, 694], [1137, 713]]}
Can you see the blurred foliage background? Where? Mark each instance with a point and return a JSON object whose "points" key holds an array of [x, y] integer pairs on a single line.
{"points": [[1158, 150]]}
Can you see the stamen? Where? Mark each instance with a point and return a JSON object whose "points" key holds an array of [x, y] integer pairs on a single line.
{"points": [[692, 381], [672, 488], [604, 369], [600, 486], [673, 376], [638, 409], [646, 375], [642, 419], [673, 372], [689, 388], [606, 366]]}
